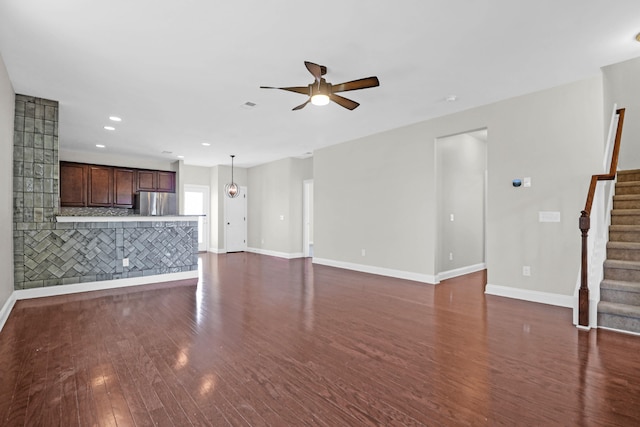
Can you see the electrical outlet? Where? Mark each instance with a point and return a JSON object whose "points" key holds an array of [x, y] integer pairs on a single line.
{"points": [[364, 252], [451, 217], [526, 270], [450, 256], [125, 262]]}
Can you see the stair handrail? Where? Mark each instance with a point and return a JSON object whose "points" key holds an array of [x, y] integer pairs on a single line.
{"points": [[584, 223]]}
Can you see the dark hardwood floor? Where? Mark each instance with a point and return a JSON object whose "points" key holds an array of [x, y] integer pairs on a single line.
{"points": [[266, 341]]}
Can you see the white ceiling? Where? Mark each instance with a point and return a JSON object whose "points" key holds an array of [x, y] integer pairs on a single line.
{"points": [[179, 72]]}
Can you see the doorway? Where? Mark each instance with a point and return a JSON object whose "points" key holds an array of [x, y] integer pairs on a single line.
{"points": [[461, 174], [196, 202], [307, 218], [235, 220]]}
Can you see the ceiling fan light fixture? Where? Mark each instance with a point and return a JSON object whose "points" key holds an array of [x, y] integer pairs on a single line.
{"points": [[320, 99]]}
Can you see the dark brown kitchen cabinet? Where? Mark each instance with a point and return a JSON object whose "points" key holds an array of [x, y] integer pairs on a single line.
{"points": [[166, 181], [123, 187], [73, 184], [163, 181], [100, 186], [147, 180], [83, 185]]}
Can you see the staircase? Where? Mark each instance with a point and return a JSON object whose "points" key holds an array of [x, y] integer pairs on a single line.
{"points": [[619, 306]]}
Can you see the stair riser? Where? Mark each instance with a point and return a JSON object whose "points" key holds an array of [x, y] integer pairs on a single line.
{"points": [[621, 297], [625, 219], [626, 204], [628, 177], [624, 236], [627, 189], [622, 274], [623, 323], [623, 254], [631, 236]]}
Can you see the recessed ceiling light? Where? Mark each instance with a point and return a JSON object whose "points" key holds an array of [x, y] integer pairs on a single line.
{"points": [[451, 98], [115, 119], [638, 37], [109, 128], [100, 146], [206, 144], [181, 157]]}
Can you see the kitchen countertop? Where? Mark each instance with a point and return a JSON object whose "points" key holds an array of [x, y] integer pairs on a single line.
{"points": [[127, 218]]}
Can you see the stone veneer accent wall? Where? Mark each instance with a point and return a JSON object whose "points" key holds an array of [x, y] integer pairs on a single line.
{"points": [[35, 161], [50, 253], [35, 173], [77, 252]]}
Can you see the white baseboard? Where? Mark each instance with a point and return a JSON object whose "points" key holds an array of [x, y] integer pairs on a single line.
{"points": [[620, 331], [398, 274], [529, 295], [275, 253], [460, 271], [217, 251], [50, 291], [6, 309]]}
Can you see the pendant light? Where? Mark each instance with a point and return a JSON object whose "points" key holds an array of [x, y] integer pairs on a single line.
{"points": [[232, 190]]}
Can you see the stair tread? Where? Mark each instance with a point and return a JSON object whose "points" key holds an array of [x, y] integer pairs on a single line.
{"points": [[624, 227], [625, 212], [628, 171], [616, 263], [626, 197], [627, 183], [620, 285], [618, 309], [623, 245]]}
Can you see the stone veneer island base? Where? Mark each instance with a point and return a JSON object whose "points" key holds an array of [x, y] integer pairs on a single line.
{"points": [[82, 250]]}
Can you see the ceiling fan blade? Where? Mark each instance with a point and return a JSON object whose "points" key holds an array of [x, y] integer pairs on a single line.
{"points": [[301, 106], [356, 84], [297, 89], [316, 70], [344, 102]]}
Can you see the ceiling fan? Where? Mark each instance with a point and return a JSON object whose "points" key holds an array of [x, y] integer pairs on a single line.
{"points": [[320, 92]]}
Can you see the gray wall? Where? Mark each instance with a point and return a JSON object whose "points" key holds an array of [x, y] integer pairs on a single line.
{"points": [[196, 175], [275, 191], [7, 106], [622, 87], [460, 164], [377, 193]]}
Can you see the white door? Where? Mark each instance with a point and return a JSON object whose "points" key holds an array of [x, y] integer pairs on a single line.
{"points": [[235, 218], [196, 202]]}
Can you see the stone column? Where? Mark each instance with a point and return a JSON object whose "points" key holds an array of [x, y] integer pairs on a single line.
{"points": [[35, 172]]}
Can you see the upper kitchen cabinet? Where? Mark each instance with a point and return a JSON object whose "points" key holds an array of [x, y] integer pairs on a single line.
{"points": [[167, 181], [123, 187], [100, 186], [163, 181], [147, 180], [73, 184], [83, 185]]}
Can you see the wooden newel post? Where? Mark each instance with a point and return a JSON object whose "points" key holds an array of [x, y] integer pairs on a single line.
{"points": [[583, 293]]}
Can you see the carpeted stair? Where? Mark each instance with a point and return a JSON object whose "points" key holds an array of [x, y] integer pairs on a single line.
{"points": [[619, 306]]}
